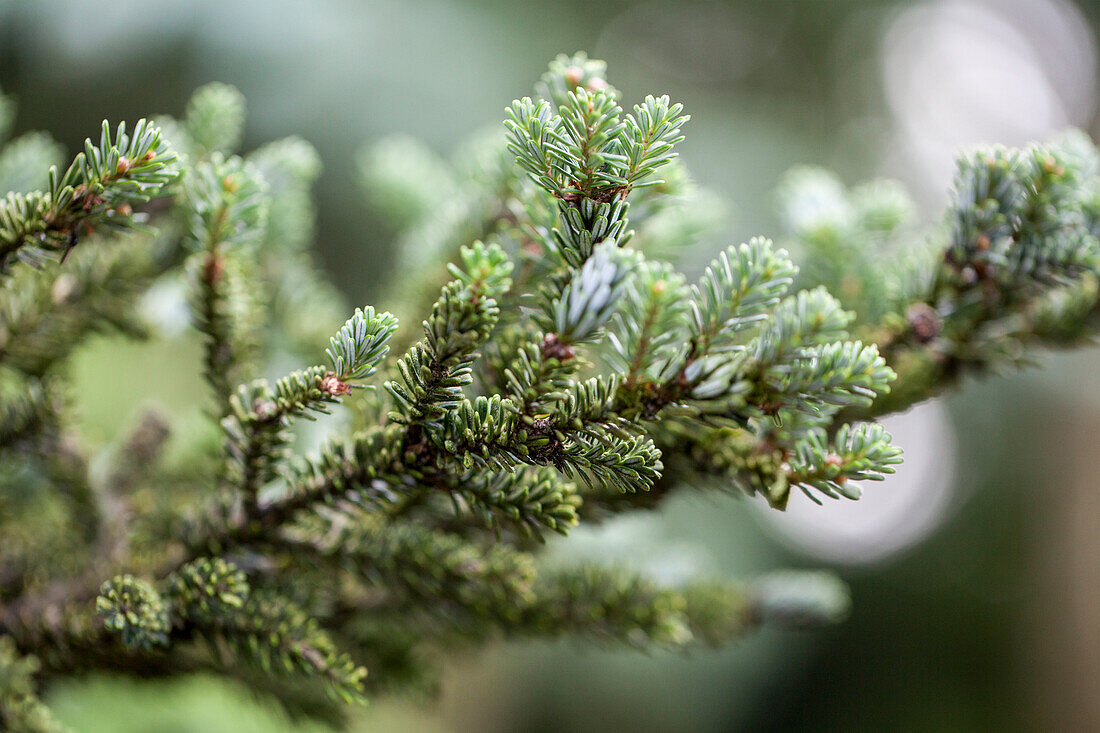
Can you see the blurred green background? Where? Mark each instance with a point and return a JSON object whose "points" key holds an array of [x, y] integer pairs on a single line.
{"points": [[974, 575]]}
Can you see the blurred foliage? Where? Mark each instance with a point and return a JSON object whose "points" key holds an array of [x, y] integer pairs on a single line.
{"points": [[194, 705]]}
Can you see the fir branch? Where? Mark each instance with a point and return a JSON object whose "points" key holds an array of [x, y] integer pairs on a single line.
{"points": [[205, 590], [648, 331], [857, 453], [434, 371], [366, 470], [257, 426], [586, 303], [535, 140], [529, 501], [736, 291], [421, 569], [652, 133], [1021, 249], [589, 134], [583, 225], [99, 190], [591, 297], [226, 209], [538, 375], [626, 466], [606, 604], [415, 528], [276, 637], [361, 345], [132, 608], [836, 375], [580, 437]]}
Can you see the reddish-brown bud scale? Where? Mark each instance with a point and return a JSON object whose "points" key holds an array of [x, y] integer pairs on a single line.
{"points": [[553, 348], [264, 409], [924, 322], [333, 385], [213, 268]]}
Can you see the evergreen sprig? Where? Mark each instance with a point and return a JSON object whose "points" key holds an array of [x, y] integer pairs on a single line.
{"points": [[226, 210], [360, 346], [279, 638], [434, 371], [652, 133], [257, 424], [560, 376], [530, 501], [736, 291], [99, 190], [590, 298], [133, 609], [648, 332]]}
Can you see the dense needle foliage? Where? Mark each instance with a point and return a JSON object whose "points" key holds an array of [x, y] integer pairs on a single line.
{"points": [[558, 370]]}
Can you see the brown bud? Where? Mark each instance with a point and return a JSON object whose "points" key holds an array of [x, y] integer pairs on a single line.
{"points": [[596, 84], [333, 385], [264, 409], [123, 167], [124, 210], [834, 460], [230, 184], [553, 348], [213, 268], [983, 242], [573, 75], [924, 322], [149, 156]]}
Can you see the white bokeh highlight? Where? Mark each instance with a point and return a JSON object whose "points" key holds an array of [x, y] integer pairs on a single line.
{"points": [[957, 73]]}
